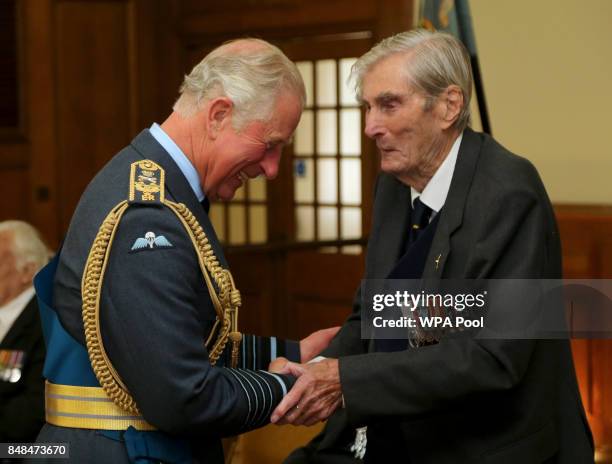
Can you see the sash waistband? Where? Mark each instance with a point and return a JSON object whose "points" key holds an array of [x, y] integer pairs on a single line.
{"points": [[87, 408]]}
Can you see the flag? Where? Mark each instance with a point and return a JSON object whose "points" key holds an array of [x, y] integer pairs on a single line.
{"points": [[453, 17]]}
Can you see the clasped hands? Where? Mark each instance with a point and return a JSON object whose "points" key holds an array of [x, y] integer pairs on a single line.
{"points": [[316, 393]]}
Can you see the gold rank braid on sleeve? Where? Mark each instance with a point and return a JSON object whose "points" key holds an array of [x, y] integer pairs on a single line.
{"points": [[219, 281]]}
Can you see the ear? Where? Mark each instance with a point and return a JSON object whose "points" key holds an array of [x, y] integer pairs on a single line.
{"points": [[452, 104], [27, 274], [218, 115]]}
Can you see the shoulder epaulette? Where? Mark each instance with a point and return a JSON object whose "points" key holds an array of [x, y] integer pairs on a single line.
{"points": [[147, 183]]}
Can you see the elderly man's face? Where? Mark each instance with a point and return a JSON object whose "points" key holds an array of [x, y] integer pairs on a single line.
{"points": [[253, 151], [407, 136], [12, 281]]}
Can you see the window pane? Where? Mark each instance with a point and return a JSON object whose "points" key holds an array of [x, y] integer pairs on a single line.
{"points": [[351, 250], [237, 226], [304, 223], [326, 132], [328, 250], [350, 132], [326, 82], [257, 189], [327, 181], [258, 224], [303, 174], [328, 223], [350, 181], [347, 92], [350, 223], [217, 217], [305, 69], [304, 135]]}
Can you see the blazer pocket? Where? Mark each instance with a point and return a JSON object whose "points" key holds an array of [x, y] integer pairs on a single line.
{"points": [[533, 449]]}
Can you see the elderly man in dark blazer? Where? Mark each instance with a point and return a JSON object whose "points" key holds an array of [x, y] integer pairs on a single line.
{"points": [[145, 361], [22, 348], [449, 203]]}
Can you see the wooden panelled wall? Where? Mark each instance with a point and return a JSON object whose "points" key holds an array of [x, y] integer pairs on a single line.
{"points": [[93, 73], [88, 80], [586, 239]]}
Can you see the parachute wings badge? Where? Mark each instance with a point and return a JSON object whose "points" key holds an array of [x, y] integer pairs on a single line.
{"points": [[150, 242]]}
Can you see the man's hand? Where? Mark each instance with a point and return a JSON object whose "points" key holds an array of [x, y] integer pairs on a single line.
{"points": [[315, 395], [278, 365], [316, 342]]}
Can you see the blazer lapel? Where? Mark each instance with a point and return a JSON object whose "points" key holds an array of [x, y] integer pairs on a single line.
{"points": [[451, 215], [178, 187], [392, 217]]}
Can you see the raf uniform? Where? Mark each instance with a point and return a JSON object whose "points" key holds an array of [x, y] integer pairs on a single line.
{"points": [[156, 310], [460, 400]]}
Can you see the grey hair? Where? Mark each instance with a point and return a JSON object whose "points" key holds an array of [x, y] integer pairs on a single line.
{"points": [[252, 78], [28, 246], [434, 60]]}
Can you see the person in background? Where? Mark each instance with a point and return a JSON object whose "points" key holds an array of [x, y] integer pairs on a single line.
{"points": [[22, 348]]}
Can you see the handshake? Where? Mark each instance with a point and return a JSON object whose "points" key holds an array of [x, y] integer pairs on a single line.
{"points": [[316, 393]]}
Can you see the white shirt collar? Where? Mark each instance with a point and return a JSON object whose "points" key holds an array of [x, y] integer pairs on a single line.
{"points": [[13, 309], [181, 160], [435, 192]]}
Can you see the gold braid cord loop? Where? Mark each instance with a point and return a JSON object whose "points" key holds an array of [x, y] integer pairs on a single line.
{"points": [[219, 281], [225, 297]]}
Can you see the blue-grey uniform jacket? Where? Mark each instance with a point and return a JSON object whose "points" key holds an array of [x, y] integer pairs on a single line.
{"points": [[155, 313]]}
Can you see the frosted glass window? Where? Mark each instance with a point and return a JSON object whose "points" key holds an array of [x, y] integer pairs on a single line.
{"points": [[237, 226], [350, 223], [328, 223], [304, 135], [351, 250], [303, 175], [350, 131], [350, 181], [327, 181], [305, 69], [257, 189], [258, 224], [347, 92], [326, 132], [305, 223], [326, 82], [327, 164], [218, 220], [330, 250]]}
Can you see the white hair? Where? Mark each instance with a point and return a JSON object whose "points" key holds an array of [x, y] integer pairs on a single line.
{"points": [[434, 60], [27, 244], [251, 76]]}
